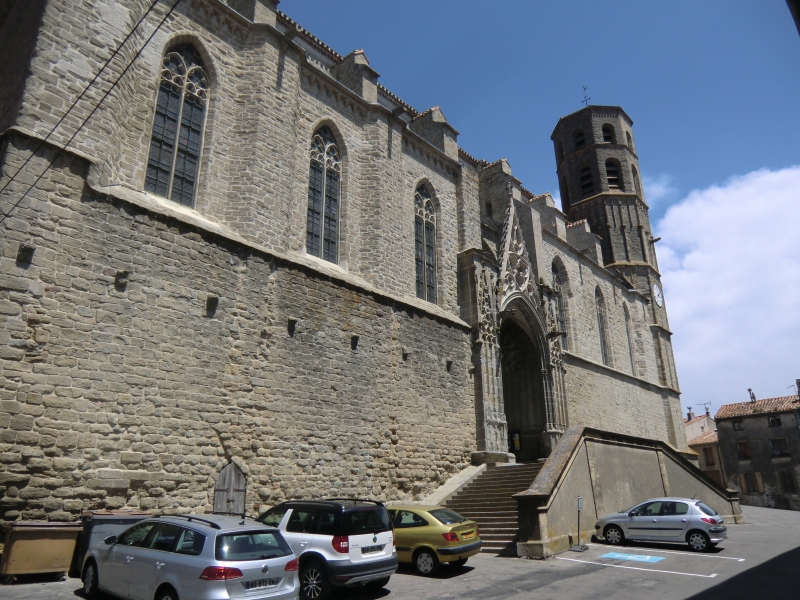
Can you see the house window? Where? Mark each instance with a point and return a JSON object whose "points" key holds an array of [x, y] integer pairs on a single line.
{"points": [[587, 183], [751, 483], [612, 175], [708, 455], [600, 307], [425, 244], [608, 134], [738, 425], [779, 447], [177, 139], [322, 226], [558, 306], [580, 141], [787, 482], [774, 421], [744, 451]]}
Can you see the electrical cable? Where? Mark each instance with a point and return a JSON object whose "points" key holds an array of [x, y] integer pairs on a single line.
{"points": [[78, 99], [89, 116]]}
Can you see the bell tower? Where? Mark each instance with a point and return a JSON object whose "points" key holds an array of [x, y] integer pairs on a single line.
{"points": [[599, 180]]}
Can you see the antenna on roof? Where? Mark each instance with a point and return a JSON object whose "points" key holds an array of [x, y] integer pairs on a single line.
{"points": [[707, 405], [752, 395], [585, 97]]}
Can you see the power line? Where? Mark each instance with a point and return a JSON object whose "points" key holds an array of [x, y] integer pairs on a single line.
{"points": [[78, 99], [86, 120]]}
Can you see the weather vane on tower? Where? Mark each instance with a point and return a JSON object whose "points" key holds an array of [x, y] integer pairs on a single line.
{"points": [[585, 97]]}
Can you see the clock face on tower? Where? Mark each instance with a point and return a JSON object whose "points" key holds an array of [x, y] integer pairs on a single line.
{"points": [[658, 296]]}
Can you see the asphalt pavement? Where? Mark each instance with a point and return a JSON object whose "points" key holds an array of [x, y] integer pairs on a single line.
{"points": [[760, 558]]}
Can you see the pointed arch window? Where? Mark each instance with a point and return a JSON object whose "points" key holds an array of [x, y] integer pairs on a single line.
{"points": [[425, 244], [586, 180], [600, 307], [609, 136], [559, 314], [613, 175], [580, 140], [177, 139], [629, 332], [322, 225]]}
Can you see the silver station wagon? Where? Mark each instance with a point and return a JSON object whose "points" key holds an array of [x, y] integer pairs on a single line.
{"points": [[684, 520], [200, 557]]}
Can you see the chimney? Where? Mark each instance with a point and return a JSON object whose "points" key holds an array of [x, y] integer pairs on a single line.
{"points": [[708, 411], [752, 395], [690, 415], [797, 385]]}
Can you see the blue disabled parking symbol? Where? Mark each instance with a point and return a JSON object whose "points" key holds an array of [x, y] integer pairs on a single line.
{"points": [[635, 557]]}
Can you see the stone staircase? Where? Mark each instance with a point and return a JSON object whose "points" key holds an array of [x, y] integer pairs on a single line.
{"points": [[488, 500]]}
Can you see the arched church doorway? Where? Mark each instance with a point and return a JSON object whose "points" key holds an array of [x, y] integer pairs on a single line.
{"points": [[523, 392]]}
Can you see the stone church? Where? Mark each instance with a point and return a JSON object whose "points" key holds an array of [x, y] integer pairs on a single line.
{"points": [[224, 243]]}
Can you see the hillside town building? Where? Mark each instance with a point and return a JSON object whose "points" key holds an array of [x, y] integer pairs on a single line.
{"points": [[253, 257]]}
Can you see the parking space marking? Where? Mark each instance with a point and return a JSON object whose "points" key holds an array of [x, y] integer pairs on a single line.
{"points": [[634, 557], [695, 554], [591, 562]]}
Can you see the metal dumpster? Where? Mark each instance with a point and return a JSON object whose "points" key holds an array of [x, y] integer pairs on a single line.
{"points": [[38, 547], [97, 525]]}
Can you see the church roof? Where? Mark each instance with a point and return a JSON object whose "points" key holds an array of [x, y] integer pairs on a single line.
{"points": [[768, 405], [709, 437]]}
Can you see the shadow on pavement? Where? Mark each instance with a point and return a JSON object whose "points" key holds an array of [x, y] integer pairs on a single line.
{"points": [[776, 579], [364, 593]]}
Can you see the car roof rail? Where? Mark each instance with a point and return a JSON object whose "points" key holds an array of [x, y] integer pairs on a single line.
{"points": [[194, 518], [379, 503]]}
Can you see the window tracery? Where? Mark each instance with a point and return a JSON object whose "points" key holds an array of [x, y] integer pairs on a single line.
{"points": [[322, 225], [177, 137], [425, 244]]}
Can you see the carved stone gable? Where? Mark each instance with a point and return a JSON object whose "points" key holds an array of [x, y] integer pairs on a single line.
{"points": [[516, 274]]}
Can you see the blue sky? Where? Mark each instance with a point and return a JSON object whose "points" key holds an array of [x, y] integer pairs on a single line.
{"points": [[713, 88]]}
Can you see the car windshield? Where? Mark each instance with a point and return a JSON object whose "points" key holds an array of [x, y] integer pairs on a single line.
{"points": [[367, 520], [251, 545], [446, 516], [707, 509]]}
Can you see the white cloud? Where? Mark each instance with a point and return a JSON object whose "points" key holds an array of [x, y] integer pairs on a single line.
{"points": [[730, 263], [658, 188]]}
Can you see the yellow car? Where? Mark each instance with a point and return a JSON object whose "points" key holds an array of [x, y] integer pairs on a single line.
{"points": [[427, 536]]}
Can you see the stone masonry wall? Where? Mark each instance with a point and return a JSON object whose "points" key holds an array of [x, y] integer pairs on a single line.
{"points": [[137, 397]]}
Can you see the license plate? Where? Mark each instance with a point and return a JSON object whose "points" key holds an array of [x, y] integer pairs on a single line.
{"points": [[469, 535], [260, 583], [371, 549]]}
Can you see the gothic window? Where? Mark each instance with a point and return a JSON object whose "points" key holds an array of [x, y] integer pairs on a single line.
{"points": [[580, 141], [177, 138], [587, 183], [608, 134], [425, 244], [600, 306], [637, 186], [322, 226], [630, 140], [629, 332], [613, 175], [559, 314]]}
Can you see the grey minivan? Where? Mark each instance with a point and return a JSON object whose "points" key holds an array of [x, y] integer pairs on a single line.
{"points": [[684, 520], [204, 557]]}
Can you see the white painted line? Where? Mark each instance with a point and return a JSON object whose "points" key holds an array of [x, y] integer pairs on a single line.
{"points": [[695, 554], [590, 562]]}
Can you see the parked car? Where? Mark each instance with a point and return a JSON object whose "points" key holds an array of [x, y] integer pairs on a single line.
{"points": [[193, 557], [339, 542], [683, 520], [427, 536]]}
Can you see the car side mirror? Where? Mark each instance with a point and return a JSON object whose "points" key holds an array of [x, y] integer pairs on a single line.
{"points": [[632, 513], [110, 540]]}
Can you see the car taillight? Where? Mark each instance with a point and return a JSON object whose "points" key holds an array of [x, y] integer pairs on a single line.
{"points": [[220, 573], [708, 520], [292, 565], [450, 536], [340, 544]]}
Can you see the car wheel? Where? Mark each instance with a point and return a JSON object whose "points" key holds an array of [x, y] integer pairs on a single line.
{"points": [[167, 593], [90, 580], [459, 563], [314, 584], [425, 562], [614, 535], [698, 541], [378, 583]]}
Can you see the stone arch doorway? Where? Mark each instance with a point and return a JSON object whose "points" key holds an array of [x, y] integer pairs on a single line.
{"points": [[230, 490], [523, 392]]}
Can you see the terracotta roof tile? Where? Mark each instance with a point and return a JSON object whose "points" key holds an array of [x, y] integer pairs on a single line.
{"points": [[709, 437], [695, 420], [768, 405]]}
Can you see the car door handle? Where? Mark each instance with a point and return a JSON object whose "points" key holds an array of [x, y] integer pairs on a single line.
{"points": [[303, 544], [655, 520], [159, 565], [683, 520]]}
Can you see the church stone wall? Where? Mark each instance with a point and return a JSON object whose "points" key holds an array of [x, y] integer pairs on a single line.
{"points": [[137, 397]]}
